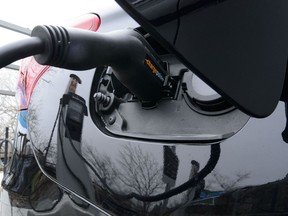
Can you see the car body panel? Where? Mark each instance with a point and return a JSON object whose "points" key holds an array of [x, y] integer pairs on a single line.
{"points": [[120, 163]]}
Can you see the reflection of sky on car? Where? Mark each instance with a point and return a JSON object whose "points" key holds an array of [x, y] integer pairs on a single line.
{"points": [[259, 148]]}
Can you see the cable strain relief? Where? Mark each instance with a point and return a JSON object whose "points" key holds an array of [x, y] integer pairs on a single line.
{"points": [[56, 40]]}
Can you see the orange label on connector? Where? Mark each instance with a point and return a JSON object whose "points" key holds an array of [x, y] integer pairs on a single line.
{"points": [[154, 70], [151, 66]]}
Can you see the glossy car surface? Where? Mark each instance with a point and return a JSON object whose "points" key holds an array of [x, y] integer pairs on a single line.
{"points": [[71, 159]]}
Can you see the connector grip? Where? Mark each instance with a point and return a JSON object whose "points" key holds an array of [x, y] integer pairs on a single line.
{"points": [[133, 61]]}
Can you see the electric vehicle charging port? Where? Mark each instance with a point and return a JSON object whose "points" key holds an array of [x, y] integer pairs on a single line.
{"points": [[111, 93], [117, 112]]}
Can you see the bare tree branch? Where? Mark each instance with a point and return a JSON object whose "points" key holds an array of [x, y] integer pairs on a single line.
{"points": [[141, 172]]}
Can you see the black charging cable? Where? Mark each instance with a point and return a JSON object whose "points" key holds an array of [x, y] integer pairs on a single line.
{"points": [[20, 49]]}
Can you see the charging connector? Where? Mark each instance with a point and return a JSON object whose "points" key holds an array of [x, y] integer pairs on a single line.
{"points": [[134, 62]]}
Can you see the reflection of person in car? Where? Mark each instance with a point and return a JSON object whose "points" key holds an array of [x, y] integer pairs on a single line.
{"points": [[194, 193]]}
